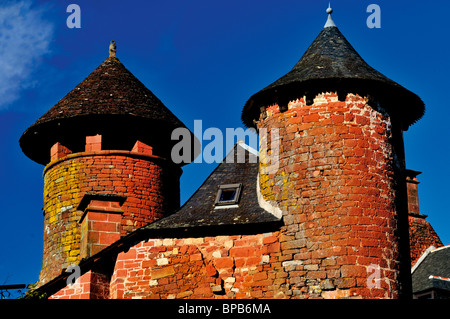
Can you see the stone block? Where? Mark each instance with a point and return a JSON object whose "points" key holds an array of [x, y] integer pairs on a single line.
{"points": [[162, 272]]}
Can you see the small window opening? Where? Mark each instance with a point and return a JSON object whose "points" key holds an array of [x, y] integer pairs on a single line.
{"points": [[228, 194]]}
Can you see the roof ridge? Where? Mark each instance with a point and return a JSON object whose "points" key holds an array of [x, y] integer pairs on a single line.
{"points": [[422, 258], [248, 148], [438, 277], [440, 248]]}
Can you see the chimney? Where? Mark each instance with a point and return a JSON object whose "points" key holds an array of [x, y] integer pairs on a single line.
{"points": [[100, 222], [421, 233], [413, 192]]}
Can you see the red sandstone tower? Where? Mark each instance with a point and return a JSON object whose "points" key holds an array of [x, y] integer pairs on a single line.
{"points": [[341, 176], [106, 146]]}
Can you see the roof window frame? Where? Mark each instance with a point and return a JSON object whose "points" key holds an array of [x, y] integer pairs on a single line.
{"points": [[228, 203]]}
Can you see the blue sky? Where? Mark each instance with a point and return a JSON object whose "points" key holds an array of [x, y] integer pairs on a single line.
{"points": [[203, 59]]}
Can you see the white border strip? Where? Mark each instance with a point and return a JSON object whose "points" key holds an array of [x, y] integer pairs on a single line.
{"points": [[267, 206]]}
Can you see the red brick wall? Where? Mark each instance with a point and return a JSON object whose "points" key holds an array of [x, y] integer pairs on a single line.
{"points": [[413, 192], [336, 185], [98, 231], [248, 266], [90, 285], [151, 185]]}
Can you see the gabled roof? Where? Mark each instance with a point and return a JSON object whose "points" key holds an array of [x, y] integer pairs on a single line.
{"points": [[332, 64], [432, 270], [110, 96], [200, 209]]}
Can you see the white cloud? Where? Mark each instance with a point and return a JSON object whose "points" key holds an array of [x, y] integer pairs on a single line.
{"points": [[24, 39]]}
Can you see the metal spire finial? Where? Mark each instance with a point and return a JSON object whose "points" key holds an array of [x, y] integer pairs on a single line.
{"points": [[330, 22]]}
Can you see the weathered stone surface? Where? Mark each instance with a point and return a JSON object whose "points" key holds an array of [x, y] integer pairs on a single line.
{"points": [[335, 181], [162, 272], [67, 179]]}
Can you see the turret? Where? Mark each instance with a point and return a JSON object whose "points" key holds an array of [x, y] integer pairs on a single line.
{"points": [[106, 150], [341, 170]]}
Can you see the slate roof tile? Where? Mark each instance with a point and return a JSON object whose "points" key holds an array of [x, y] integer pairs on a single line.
{"points": [[437, 264], [110, 97], [200, 209]]}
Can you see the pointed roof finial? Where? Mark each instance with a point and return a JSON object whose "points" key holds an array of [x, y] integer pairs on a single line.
{"points": [[330, 22], [112, 49]]}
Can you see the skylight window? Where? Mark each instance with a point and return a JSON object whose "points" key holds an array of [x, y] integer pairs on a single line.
{"points": [[228, 195]]}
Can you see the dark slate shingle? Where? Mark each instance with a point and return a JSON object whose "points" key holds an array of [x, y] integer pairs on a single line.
{"points": [[199, 210], [111, 97], [436, 263]]}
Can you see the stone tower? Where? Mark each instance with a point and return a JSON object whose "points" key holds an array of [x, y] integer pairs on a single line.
{"points": [[106, 150], [341, 170]]}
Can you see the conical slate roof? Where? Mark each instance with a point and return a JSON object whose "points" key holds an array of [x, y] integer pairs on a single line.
{"points": [[110, 89], [111, 97], [332, 64]]}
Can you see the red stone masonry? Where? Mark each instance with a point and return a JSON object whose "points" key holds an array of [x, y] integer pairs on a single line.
{"points": [[90, 285], [149, 183], [240, 266], [246, 266], [98, 231], [336, 184], [58, 151]]}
